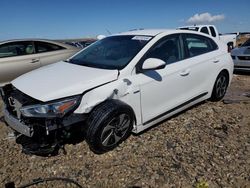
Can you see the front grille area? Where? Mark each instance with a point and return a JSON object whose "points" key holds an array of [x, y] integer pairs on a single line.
{"points": [[15, 99], [246, 58]]}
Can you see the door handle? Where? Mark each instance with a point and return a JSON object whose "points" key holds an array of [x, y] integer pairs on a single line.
{"points": [[216, 61], [34, 60], [185, 72]]}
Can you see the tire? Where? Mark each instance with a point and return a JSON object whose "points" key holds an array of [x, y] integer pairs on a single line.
{"points": [[220, 86], [108, 125]]}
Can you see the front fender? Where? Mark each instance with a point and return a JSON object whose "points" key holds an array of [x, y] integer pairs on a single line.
{"points": [[118, 90]]}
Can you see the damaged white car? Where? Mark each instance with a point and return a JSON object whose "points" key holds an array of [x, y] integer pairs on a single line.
{"points": [[121, 84]]}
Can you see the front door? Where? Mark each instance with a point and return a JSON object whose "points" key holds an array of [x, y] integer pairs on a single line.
{"points": [[164, 89]]}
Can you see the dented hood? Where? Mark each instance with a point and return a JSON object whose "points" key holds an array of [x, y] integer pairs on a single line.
{"points": [[62, 80]]}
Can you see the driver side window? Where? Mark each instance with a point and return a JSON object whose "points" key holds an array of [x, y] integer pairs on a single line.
{"points": [[17, 49], [167, 49]]}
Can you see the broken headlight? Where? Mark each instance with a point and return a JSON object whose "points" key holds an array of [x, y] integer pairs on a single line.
{"points": [[51, 110]]}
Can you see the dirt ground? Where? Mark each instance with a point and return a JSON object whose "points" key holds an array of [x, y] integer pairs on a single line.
{"points": [[208, 145]]}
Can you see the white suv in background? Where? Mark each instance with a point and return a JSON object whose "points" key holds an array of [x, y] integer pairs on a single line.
{"points": [[121, 84], [228, 38]]}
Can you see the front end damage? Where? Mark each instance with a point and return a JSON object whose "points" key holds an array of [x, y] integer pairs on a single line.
{"points": [[39, 129]]}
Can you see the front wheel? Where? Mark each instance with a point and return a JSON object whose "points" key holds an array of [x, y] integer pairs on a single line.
{"points": [[220, 87], [108, 125]]}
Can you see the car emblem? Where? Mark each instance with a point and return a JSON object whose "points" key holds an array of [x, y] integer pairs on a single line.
{"points": [[11, 101]]}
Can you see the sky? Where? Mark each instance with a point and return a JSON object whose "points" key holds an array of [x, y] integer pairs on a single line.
{"points": [[65, 19]]}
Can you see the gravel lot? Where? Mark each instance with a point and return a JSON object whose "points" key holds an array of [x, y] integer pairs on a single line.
{"points": [[206, 145]]}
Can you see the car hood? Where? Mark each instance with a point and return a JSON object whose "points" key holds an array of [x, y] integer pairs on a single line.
{"points": [[241, 51], [62, 79]]}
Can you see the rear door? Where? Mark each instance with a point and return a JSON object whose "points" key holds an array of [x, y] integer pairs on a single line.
{"points": [[187, 77], [51, 53], [17, 58], [204, 62]]}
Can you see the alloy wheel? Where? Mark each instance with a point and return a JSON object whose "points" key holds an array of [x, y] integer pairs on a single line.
{"points": [[221, 86], [115, 130]]}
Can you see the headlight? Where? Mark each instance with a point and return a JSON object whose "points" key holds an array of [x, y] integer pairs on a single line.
{"points": [[51, 110]]}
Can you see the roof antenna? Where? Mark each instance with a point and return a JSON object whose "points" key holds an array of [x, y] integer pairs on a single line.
{"points": [[108, 32]]}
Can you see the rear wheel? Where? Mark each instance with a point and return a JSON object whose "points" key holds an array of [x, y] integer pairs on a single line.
{"points": [[220, 86], [108, 125]]}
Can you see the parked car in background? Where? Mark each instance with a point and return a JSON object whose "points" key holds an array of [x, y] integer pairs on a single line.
{"points": [[241, 38], [86, 43], [80, 44], [229, 38], [241, 57], [20, 56], [120, 84], [73, 44]]}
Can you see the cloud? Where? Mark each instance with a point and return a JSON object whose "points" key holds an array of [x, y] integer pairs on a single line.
{"points": [[181, 20], [205, 18]]}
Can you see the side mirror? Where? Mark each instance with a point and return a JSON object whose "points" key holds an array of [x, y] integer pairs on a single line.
{"points": [[153, 64]]}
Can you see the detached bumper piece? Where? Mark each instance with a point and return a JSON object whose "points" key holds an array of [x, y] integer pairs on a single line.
{"points": [[34, 146]]}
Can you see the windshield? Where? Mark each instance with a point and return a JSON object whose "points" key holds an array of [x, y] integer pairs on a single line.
{"points": [[247, 43], [113, 52]]}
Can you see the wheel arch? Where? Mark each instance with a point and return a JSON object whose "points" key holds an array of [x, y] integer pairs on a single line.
{"points": [[227, 73], [117, 102], [214, 97], [99, 118], [215, 78]]}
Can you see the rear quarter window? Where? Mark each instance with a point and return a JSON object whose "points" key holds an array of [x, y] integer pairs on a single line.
{"points": [[197, 45], [42, 47]]}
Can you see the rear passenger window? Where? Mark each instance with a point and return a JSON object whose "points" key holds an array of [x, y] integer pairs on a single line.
{"points": [[16, 49], [204, 30], [197, 44], [47, 47]]}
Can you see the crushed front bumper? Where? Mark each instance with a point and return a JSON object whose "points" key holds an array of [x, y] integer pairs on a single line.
{"points": [[18, 126]]}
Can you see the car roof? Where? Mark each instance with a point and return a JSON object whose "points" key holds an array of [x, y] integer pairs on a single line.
{"points": [[154, 32], [146, 32], [40, 40], [190, 26]]}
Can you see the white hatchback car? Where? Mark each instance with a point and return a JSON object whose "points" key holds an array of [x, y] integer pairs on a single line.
{"points": [[121, 84]]}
